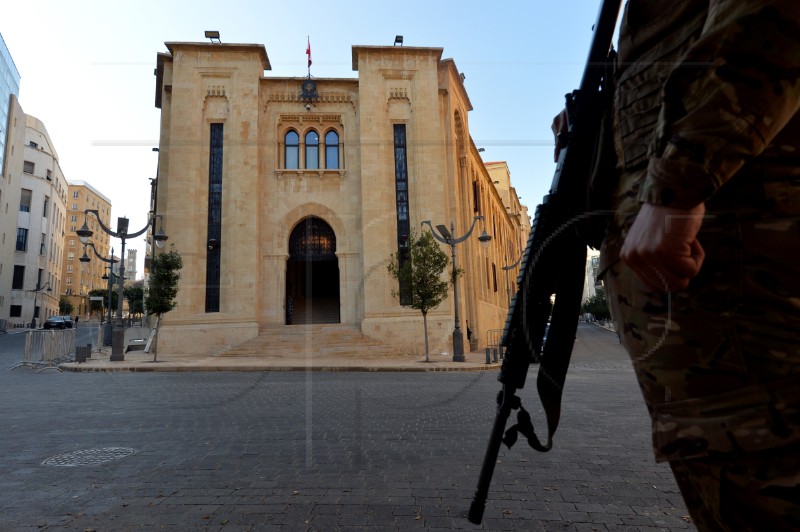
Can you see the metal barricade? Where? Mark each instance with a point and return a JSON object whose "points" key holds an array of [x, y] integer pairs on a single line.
{"points": [[45, 349], [493, 339]]}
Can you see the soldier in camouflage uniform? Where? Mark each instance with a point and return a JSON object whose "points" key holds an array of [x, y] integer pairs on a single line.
{"points": [[706, 296]]}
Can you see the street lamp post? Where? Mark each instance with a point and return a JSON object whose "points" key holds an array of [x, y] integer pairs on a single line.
{"points": [[84, 234], [110, 262], [448, 238], [508, 286], [35, 295]]}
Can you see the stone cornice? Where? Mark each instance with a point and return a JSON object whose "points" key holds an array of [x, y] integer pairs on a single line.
{"points": [[257, 49], [398, 93], [316, 118], [216, 90], [324, 97], [310, 173]]}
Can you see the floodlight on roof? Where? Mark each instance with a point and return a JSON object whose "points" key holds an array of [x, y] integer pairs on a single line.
{"points": [[398, 40], [212, 35]]}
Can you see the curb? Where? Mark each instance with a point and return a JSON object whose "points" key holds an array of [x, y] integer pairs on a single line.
{"points": [[85, 368]]}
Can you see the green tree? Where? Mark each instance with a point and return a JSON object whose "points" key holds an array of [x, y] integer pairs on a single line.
{"points": [[134, 294], [64, 306], [165, 272], [419, 272], [597, 306], [98, 306]]}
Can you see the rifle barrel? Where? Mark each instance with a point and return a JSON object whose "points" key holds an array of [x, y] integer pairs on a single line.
{"points": [[478, 505]]}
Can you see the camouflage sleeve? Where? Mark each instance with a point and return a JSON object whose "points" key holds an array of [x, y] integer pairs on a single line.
{"points": [[731, 94]]}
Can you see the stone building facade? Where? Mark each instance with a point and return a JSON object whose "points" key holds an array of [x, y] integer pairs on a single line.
{"points": [[10, 172], [130, 266], [286, 197], [40, 226], [10, 179], [80, 278]]}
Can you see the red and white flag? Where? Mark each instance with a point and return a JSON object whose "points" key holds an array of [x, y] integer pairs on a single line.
{"points": [[308, 52]]}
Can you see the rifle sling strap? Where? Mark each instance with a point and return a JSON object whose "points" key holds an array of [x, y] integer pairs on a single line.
{"points": [[524, 426]]}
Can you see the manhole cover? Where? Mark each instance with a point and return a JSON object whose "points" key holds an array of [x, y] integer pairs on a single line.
{"points": [[88, 457]]}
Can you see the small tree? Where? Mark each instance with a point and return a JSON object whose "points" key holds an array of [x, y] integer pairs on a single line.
{"points": [[419, 272], [163, 287], [98, 306], [597, 306], [95, 306], [64, 306], [134, 294]]}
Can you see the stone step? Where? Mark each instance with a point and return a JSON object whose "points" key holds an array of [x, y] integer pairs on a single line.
{"points": [[299, 340]]}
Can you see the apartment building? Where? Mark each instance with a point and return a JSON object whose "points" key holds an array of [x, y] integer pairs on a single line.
{"points": [[41, 225], [82, 277]]}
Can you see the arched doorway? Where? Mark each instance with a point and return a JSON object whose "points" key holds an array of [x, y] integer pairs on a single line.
{"points": [[312, 274]]}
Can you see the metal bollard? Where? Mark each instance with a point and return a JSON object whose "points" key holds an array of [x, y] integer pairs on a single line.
{"points": [[488, 356], [495, 354]]}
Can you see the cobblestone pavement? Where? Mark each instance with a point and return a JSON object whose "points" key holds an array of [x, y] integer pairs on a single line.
{"points": [[323, 451]]}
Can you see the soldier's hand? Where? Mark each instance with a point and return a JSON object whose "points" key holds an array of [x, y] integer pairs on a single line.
{"points": [[559, 128], [662, 247]]}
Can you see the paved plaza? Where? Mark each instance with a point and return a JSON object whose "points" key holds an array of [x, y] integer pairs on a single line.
{"points": [[322, 450]]}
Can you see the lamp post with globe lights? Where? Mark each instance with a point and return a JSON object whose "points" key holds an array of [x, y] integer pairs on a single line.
{"points": [[84, 234], [508, 285], [448, 238], [110, 262]]}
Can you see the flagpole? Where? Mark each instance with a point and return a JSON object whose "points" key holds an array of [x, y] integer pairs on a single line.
{"points": [[308, 53]]}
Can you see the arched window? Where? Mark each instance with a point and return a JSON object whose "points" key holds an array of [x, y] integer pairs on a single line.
{"points": [[312, 240], [312, 149], [331, 150], [292, 150]]}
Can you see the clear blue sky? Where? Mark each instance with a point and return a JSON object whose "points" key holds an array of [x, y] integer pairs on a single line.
{"points": [[87, 71]]}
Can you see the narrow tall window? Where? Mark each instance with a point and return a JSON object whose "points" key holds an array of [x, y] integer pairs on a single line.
{"points": [[401, 201], [312, 149], [331, 150], [292, 148], [22, 239], [19, 278], [25, 200], [213, 259]]}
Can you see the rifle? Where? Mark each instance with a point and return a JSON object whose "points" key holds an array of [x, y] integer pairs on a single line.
{"points": [[553, 266]]}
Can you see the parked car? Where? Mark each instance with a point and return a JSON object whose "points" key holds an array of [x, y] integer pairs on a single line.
{"points": [[55, 322], [67, 321]]}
